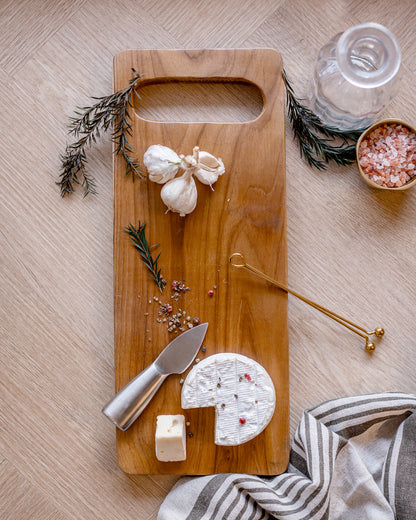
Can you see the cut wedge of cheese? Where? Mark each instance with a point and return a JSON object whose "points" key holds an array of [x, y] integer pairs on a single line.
{"points": [[241, 391], [170, 438]]}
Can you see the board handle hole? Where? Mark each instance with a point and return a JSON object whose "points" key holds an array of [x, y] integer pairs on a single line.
{"points": [[218, 100]]}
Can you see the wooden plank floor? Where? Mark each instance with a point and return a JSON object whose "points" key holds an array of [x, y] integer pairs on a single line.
{"points": [[350, 248]]}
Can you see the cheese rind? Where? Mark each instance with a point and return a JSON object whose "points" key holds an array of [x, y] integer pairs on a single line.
{"points": [[170, 438], [241, 391]]}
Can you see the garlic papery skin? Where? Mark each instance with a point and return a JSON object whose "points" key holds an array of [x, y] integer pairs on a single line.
{"points": [[161, 162], [180, 194], [188, 162], [209, 168]]}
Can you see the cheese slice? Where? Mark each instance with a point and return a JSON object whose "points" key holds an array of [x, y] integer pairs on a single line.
{"points": [[241, 391], [170, 438]]}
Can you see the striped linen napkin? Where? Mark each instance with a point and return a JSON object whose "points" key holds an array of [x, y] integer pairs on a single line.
{"points": [[351, 459]]}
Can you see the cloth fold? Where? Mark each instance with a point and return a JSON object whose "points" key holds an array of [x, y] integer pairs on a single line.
{"points": [[352, 459]]}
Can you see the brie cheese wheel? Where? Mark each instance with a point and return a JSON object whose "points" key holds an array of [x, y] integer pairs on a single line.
{"points": [[170, 438], [241, 391]]}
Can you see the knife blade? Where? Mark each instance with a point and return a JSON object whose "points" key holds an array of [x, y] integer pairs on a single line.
{"points": [[130, 402]]}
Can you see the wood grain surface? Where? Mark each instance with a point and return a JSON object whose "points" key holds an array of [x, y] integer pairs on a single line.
{"points": [[246, 212], [350, 248]]}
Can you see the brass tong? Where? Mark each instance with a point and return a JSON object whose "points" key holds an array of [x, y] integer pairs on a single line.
{"points": [[238, 260]]}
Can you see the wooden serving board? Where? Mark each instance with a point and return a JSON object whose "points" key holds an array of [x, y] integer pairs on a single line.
{"points": [[246, 213]]}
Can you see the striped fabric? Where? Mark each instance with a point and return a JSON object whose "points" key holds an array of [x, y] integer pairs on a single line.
{"points": [[351, 459]]}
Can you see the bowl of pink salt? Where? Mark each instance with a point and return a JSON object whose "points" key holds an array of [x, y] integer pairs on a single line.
{"points": [[386, 155]]}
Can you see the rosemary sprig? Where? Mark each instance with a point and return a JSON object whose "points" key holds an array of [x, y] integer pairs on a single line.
{"points": [[108, 111], [317, 141], [139, 241]]}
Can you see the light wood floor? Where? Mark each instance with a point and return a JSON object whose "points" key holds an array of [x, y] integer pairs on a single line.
{"points": [[350, 248]]}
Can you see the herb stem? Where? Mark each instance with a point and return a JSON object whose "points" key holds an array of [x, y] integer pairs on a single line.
{"points": [[318, 142], [107, 111], [138, 238]]}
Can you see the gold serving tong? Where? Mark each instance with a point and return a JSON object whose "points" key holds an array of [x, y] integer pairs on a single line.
{"points": [[238, 260]]}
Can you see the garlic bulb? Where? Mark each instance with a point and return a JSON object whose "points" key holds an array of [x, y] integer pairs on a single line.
{"points": [[180, 194], [209, 168], [161, 162]]}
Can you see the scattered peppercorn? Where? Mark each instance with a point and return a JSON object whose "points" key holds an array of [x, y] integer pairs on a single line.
{"points": [[190, 434], [210, 292], [166, 314], [179, 287], [242, 420], [165, 309], [248, 377], [204, 349]]}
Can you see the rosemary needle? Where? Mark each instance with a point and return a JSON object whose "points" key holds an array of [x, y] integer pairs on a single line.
{"points": [[138, 238], [317, 141], [108, 111]]}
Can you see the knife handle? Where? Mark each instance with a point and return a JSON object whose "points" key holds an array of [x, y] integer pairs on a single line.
{"points": [[130, 402]]}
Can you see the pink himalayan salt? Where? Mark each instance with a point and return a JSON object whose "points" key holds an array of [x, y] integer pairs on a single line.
{"points": [[388, 155]]}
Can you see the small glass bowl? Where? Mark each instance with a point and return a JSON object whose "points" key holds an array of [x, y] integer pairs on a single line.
{"points": [[371, 183]]}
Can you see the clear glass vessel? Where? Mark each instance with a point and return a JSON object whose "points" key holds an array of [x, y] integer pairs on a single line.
{"points": [[356, 76]]}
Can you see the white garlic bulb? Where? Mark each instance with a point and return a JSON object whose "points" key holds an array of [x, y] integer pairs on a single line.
{"points": [[209, 168], [180, 194], [161, 162]]}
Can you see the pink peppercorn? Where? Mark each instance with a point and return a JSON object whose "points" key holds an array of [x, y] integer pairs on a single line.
{"points": [[210, 292], [248, 377], [242, 420]]}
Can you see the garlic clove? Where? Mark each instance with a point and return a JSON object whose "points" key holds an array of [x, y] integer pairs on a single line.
{"points": [[208, 178], [209, 168], [208, 160], [180, 194], [161, 162]]}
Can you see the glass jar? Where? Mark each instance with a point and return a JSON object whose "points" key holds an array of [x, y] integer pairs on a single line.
{"points": [[355, 76]]}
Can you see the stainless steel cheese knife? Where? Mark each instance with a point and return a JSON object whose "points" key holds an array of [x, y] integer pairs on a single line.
{"points": [[130, 402]]}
